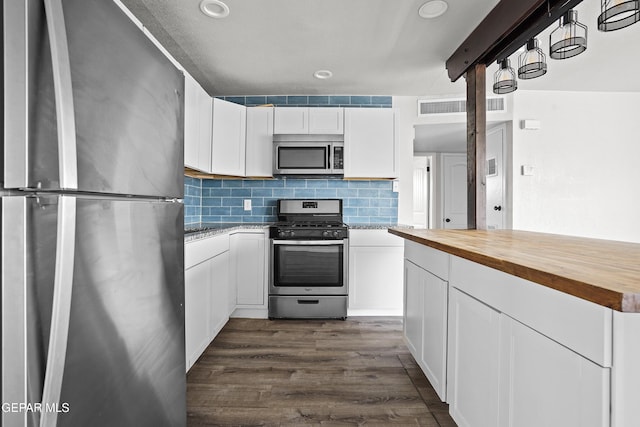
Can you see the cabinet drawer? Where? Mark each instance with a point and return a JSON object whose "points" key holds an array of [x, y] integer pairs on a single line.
{"points": [[308, 307], [374, 238], [198, 251], [580, 325], [434, 261]]}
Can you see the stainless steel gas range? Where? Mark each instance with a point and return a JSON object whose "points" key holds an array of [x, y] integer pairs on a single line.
{"points": [[309, 260]]}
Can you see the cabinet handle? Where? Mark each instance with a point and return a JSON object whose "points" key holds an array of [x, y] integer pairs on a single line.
{"points": [[308, 301], [447, 220]]}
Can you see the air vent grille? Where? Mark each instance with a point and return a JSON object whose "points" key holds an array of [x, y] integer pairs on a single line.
{"points": [[428, 107]]}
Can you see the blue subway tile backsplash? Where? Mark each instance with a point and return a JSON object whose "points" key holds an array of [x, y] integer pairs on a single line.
{"points": [[222, 200]]}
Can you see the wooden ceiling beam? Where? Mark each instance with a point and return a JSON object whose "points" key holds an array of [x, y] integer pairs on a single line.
{"points": [[505, 29]]}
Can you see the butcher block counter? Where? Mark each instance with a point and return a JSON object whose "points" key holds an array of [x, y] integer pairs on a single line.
{"points": [[506, 322], [601, 271]]}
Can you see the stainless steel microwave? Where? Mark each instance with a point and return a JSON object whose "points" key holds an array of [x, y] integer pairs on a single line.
{"points": [[308, 156]]}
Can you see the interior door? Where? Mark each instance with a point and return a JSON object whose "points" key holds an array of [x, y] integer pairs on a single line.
{"points": [[454, 168], [495, 172]]}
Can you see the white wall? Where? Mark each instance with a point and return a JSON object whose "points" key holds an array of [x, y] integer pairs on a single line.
{"points": [[406, 112], [586, 179]]}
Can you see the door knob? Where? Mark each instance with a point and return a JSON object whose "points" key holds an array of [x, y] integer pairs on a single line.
{"points": [[447, 220], [497, 208]]}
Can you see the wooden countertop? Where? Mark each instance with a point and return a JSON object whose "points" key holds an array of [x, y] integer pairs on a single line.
{"points": [[601, 271]]}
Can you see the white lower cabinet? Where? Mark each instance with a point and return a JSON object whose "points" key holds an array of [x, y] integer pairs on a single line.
{"points": [[546, 384], [425, 326], [206, 293], [197, 295], [509, 352], [425, 317], [375, 273], [249, 273], [474, 362]]}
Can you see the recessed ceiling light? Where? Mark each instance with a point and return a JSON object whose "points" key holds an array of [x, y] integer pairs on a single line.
{"points": [[323, 74], [433, 9], [214, 8]]}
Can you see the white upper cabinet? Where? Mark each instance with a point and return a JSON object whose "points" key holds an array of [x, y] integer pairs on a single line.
{"points": [[259, 151], [228, 141], [197, 126], [326, 120], [291, 120], [370, 143], [304, 120]]}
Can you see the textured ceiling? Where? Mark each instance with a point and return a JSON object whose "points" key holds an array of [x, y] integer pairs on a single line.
{"points": [[373, 47]]}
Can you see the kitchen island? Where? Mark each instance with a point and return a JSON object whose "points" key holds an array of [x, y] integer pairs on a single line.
{"points": [[523, 328]]}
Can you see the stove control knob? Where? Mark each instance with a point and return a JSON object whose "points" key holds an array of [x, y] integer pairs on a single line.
{"points": [[326, 233], [280, 233], [336, 233], [291, 234]]}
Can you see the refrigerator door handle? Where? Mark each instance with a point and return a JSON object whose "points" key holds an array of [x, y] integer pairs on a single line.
{"points": [[67, 153], [61, 309]]}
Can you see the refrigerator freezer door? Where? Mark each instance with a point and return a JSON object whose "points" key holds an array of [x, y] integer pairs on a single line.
{"points": [[127, 97], [124, 362]]}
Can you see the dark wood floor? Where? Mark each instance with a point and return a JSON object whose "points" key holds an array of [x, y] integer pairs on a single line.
{"points": [[356, 372]]}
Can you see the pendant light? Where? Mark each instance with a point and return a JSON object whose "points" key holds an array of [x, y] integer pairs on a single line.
{"points": [[617, 14], [504, 80], [532, 63], [569, 39]]}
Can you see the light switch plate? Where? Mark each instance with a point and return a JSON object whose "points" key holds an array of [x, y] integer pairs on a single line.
{"points": [[395, 186], [528, 170], [247, 204]]}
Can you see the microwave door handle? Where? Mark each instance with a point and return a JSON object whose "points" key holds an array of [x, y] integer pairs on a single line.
{"points": [[67, 152], [329, 156]]}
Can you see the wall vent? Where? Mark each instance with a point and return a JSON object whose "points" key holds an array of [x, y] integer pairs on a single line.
{"points": [[429, 107]]}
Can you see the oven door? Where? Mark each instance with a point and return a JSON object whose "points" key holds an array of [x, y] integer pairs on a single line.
{"points": [[309, 267]]}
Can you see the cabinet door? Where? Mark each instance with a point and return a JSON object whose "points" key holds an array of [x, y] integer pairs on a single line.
{"points": [[326, 120], [197, 126], [473, 361], [219, 312], [370, 143], [248, 253], [413, 307], [291, 120], [434, 332], [229, 128], [190, 122], [197, 290], [259, 153], [375, 280], [546, 384]]}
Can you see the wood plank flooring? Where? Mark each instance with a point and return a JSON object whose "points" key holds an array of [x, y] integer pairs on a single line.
{"points": [[356, 372]]}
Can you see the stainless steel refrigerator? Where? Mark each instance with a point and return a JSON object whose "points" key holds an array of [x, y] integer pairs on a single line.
{"points": [[92, 220]]}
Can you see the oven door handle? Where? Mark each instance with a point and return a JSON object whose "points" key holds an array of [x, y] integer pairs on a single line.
{"points": [[309, 242]]}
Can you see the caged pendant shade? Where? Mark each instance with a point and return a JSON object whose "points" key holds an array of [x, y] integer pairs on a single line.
{"points": [[504, 80], [617, 14], [569, 39], [532, 63]]}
